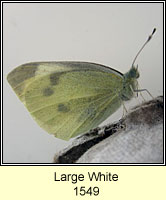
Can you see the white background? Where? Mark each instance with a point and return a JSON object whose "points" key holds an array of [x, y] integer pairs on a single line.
{"points": [[106, 33]]}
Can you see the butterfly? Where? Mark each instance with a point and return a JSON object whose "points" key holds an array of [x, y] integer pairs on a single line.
{"points": [[69, 98]]}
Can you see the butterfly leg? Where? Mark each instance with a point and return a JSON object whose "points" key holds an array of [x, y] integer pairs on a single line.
{"points": [[124, 110], [137, 90], [142, 90], [135, 94], [142, 97]]}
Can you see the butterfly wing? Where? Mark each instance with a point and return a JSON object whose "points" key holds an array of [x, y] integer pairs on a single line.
{"points": [[25, 74], [70, 98]]}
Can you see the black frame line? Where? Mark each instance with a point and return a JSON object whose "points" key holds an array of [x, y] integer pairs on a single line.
{"points": [[80, 164]]}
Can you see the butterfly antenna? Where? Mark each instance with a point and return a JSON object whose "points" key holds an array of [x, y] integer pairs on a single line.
{"points": [[149, 38]]}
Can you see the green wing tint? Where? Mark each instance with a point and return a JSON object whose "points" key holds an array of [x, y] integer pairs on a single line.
{"points": [[67, 98], [74, 102]]}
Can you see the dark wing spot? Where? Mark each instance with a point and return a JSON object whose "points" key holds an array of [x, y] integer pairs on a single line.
{"points": [[63, 108], [54, 78], [48, 91]]}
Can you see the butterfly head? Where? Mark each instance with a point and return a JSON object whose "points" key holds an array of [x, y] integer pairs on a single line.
{"points": [[132, 73]]}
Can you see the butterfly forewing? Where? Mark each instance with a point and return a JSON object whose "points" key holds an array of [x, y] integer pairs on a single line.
{"points": [[72, 102]]}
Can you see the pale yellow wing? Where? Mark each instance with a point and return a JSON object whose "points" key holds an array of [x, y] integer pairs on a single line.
{"points": [[68, 98], [23, 75], [75, 103]]}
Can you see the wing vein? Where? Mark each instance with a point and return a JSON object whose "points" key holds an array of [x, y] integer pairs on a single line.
{"points": [[78, 107], [88, 96], [95, 117], [69, 118]]}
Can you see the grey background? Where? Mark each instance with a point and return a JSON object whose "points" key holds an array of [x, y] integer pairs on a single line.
{"points": [[106, 33]]}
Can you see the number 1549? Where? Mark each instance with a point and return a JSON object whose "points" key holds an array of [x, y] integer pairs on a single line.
{"points": [[82, 191]]}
